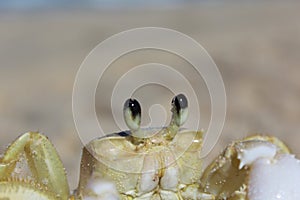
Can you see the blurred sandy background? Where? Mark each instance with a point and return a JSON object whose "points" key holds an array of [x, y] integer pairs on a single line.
{"points": [[255, 45]]}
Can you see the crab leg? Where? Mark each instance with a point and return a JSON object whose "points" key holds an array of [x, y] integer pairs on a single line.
{"points": [[43, 162], [18, 189]]}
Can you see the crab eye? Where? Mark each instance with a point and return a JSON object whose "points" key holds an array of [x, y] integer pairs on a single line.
{"points": [[132, 114], [180, 102], [180, 111]]}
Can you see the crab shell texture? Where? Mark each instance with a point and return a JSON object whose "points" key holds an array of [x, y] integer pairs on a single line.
{"points": [[228, 177], [157, 169]]}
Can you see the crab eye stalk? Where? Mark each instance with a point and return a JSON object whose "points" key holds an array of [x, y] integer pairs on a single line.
{"points": [[179, 109], [179, 117], [132, 114]]}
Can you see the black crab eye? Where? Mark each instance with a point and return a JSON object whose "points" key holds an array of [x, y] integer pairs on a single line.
{"points": [[180, 102], [134, 107]]}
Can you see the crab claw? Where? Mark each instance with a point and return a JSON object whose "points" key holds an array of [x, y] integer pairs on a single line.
{"points": [[241, 171]]}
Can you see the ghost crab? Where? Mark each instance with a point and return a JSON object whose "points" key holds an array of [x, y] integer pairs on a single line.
{"points": [[139, 164]]}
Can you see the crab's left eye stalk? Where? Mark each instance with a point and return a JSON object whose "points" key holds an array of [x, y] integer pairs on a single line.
{"points": [[180, 109], [132, 114]]}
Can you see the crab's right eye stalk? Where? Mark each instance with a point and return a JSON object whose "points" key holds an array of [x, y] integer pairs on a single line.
{"points": [[132, 114], [180, 109]]}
